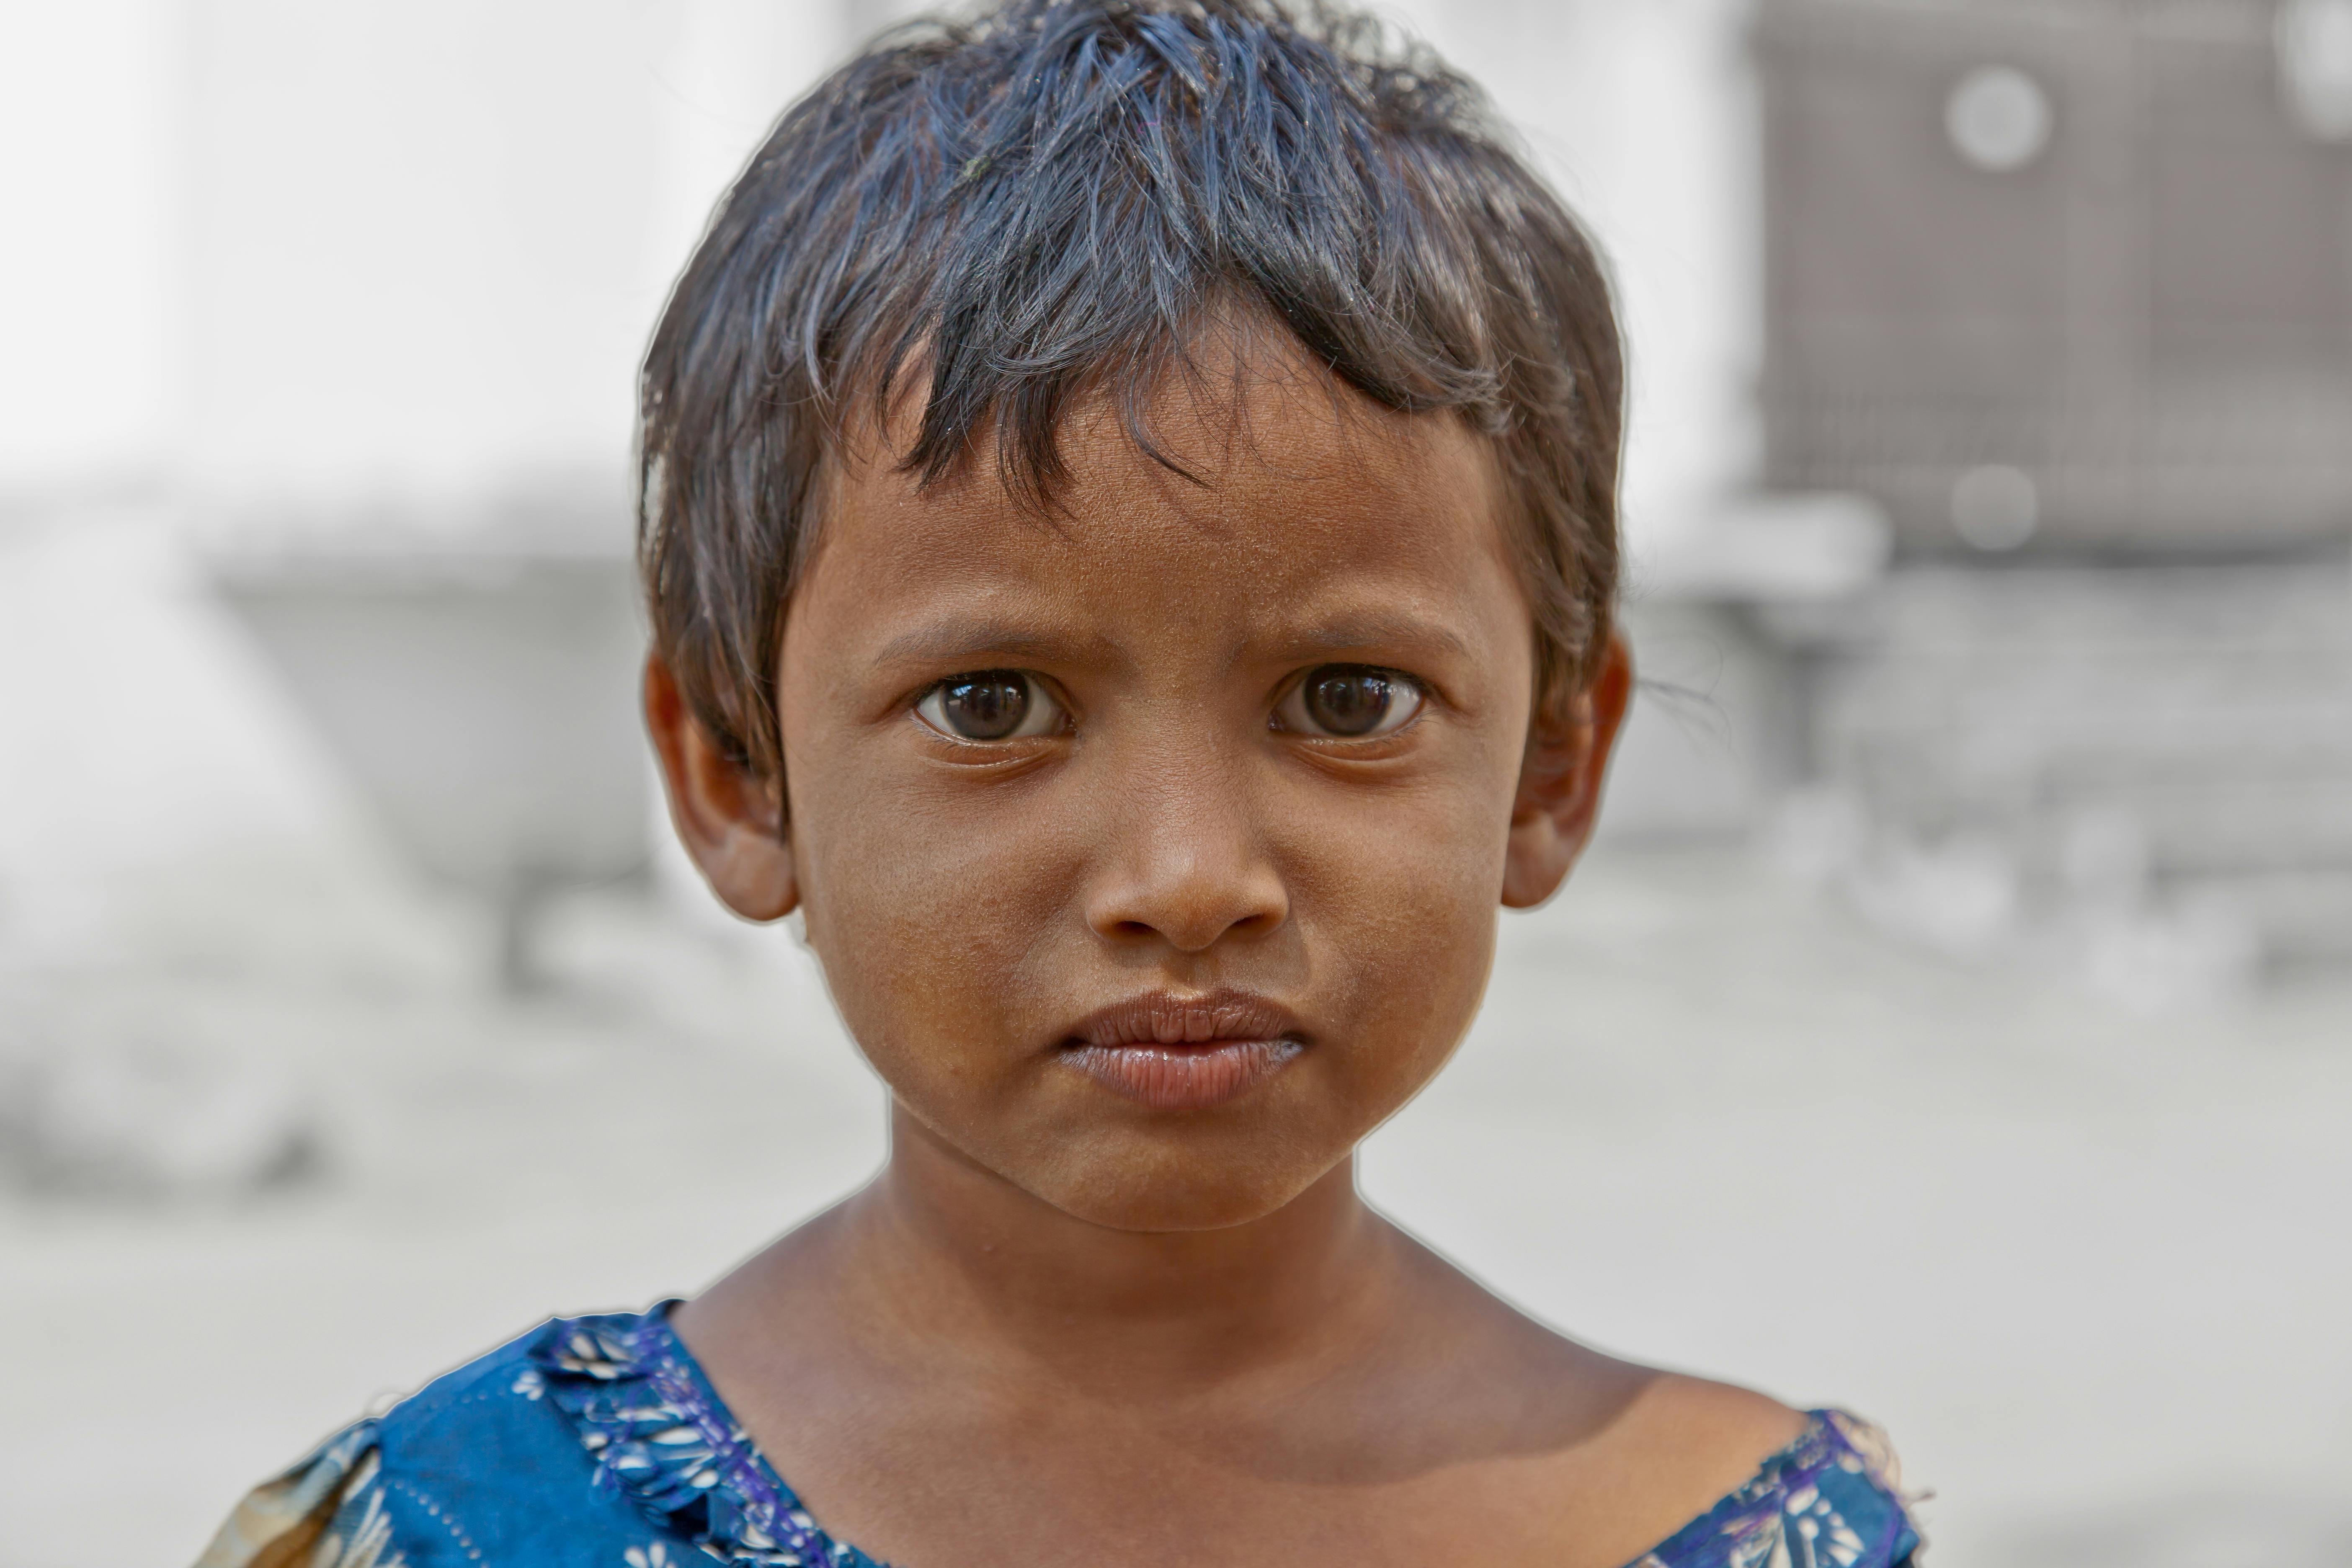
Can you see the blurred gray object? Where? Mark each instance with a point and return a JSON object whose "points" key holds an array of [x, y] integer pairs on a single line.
{"points": [[146, 1121], [1714, 735], [2201, 711], [2063, 274], [2315, 51], [480, 690], [2066, 286]]}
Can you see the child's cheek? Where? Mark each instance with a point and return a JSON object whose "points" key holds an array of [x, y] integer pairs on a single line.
{"points": [[926, 913], [1399, 905]]}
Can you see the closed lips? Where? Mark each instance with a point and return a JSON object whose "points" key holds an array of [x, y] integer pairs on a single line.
{"points": [[1181, 1053]]}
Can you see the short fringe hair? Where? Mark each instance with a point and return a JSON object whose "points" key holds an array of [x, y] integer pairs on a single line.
{"points": [[1047, 201]]}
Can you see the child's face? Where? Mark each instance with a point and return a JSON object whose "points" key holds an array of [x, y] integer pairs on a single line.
{"points": [[1260, 745]]}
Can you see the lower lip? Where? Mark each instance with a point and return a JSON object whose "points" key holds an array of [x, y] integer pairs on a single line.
{"points": [[1187, 1076]]}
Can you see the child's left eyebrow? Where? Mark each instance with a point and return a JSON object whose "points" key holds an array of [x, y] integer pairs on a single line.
{"points": [[1358, 631]]}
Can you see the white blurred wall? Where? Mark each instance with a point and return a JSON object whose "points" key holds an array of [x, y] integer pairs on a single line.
{"points": [[86, 320], [274, 249], [1641, 111], [294, 263], [425, 241]]}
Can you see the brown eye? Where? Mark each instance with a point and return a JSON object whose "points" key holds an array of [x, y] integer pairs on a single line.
{"points": [[990, 705], [1348, 702]]}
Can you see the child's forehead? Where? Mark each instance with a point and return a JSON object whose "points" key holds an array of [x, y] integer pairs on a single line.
{"points": [[1301, 513], [1245, 427]]}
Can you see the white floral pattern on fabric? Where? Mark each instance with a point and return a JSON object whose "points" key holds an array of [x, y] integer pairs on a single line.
{"points": [[657, 1430], [1794, 1513], [359, 1535]]}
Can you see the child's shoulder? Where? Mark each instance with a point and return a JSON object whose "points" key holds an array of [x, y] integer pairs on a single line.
{"points": [[1828, 1490], [1692, 1473], [1691, 1431], [1656, 1468]]}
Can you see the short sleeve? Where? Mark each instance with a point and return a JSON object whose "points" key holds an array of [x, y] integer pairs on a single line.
{"points": [[318, 1514], [478, 1470], [1832, 1499]]}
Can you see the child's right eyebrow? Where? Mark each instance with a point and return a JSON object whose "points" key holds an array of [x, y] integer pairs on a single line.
{"points": [[989, 642]]}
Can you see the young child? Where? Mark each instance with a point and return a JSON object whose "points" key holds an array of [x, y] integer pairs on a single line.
{"points": [[1129, 524]]}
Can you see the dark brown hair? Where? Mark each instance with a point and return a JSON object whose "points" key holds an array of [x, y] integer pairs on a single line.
{"points": [[1046, 201]]}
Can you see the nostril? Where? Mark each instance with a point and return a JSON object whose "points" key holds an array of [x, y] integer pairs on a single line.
{"points": [[1192, 933], [1187, 898]]}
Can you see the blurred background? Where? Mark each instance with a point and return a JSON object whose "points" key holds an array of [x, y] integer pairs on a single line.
{"points": [[1954, 1022]]}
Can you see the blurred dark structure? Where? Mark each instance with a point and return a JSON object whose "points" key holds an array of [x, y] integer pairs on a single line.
{"points": [[2066, 286], [2076, 269]]}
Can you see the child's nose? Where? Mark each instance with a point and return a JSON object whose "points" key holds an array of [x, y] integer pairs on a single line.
{"points": [[1182, 862]]}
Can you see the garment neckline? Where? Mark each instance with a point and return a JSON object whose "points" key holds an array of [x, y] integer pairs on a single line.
{"points": [[659, 1429]]}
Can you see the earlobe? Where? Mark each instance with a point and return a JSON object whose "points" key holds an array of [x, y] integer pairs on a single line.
{"points": [[730, 821], [1560, 781]]}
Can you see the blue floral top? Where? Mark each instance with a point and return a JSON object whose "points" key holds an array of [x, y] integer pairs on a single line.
{"points": [[598, 1443]]}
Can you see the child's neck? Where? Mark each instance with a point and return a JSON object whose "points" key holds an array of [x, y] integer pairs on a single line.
{"points": [[965, 1259]]}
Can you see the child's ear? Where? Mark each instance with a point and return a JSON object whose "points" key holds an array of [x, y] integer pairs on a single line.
{"points": [[1560, 783], [731, 822]]}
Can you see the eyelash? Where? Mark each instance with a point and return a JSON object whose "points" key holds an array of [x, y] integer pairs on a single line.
{"points": [[1399, 685], [1044, 713]]}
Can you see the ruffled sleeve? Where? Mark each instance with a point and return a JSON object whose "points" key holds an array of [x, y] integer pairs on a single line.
{"points": [[327, 1512], [1833, 1499], [584, 1441]]}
